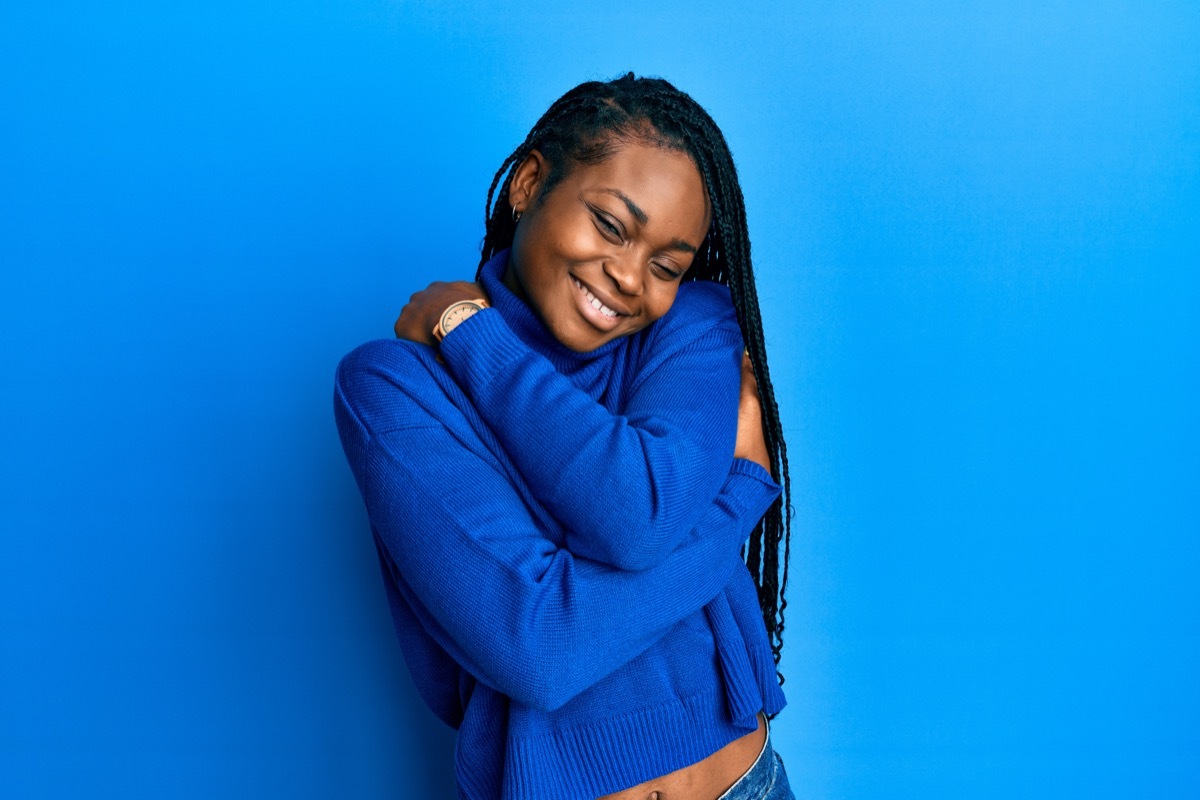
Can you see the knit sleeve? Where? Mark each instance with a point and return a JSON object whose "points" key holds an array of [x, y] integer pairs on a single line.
{"points": [[628, 486], [530, 619]]}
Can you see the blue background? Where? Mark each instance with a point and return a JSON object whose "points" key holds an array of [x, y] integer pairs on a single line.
{"points": [[976, 231]]}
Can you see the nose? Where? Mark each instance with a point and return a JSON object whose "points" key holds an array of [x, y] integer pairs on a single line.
{"points": [[625, 273]]}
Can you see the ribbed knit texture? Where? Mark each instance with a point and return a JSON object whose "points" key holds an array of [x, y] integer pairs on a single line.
{"points": [[559, 533]]}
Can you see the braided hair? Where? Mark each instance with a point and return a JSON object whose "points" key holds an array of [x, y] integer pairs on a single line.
{"points": [[586, 126]]}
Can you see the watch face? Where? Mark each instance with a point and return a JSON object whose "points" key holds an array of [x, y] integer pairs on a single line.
{"points": [[457, 313]]}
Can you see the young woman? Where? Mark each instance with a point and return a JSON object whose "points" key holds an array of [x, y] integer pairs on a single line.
{"points": [[562, 462]]}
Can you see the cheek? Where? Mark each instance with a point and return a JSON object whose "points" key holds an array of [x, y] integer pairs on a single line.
{"points": [[660, 300], [567, 234], [554, 244], [576, 242]]}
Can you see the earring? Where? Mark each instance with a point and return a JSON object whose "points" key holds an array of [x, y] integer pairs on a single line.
{"points": [[516, 216]]}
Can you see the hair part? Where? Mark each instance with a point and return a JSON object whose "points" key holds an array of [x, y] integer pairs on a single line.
{"points": [[589, 124]]}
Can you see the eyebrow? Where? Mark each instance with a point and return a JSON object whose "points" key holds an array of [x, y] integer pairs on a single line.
{"points": [[633, 207], [642, 218]]}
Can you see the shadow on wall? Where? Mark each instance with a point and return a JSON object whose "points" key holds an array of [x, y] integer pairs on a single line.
{"points": [[411, 749]]}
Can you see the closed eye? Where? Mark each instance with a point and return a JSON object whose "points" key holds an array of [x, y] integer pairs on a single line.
{"points": [[668, 271], [607, 226]]}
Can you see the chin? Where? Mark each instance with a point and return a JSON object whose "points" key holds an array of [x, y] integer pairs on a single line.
{"points": [[574, 333], [584, 344], [582, 339]]}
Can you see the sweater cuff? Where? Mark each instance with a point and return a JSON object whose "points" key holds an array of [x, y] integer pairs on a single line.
{"points": [[481, 346], [752, 469], [754, 489]]}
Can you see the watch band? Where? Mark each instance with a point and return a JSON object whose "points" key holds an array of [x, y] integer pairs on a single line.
{"points": [[455, 314]]}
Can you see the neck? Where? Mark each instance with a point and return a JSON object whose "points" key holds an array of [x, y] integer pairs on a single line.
{"points": [[512, 282]]}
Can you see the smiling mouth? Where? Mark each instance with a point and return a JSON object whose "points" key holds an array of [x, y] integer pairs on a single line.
{"points": [[594, 302]]}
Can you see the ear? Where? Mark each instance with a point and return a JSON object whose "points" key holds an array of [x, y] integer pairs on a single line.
{"points": [[527, 181]]}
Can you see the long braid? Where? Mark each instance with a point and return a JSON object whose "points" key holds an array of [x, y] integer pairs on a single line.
{"points": [[766, 536], [584, 126]]}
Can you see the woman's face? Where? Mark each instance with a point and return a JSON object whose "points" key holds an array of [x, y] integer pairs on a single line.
{"points": [[601, 254]]}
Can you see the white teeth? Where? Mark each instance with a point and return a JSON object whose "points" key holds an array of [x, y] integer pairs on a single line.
{"points": [[594, 302]]}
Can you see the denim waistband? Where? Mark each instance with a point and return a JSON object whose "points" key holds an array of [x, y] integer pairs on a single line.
{"points": [[764, 780]]}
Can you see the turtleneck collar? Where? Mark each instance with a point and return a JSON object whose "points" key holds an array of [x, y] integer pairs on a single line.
{"points": [[527, 325]]}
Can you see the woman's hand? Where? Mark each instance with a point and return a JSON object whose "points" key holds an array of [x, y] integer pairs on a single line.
{"points": [[424, 309], [750, 443]]}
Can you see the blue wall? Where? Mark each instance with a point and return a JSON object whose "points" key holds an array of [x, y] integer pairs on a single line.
{"points": [[976, 229]]}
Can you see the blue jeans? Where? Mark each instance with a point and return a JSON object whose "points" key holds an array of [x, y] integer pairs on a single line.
{"points": [[765, 780]]}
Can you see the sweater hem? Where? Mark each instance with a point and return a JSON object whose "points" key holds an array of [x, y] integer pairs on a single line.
{"points": [[614, 753]]}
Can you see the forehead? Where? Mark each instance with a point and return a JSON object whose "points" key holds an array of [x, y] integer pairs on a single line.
{"points": [[665, 183]]}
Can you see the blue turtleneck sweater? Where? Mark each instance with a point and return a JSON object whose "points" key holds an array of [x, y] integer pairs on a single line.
{"points": [[559, 536]]}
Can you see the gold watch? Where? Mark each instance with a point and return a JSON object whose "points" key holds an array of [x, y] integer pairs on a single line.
{"points": [[453, 316]]}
